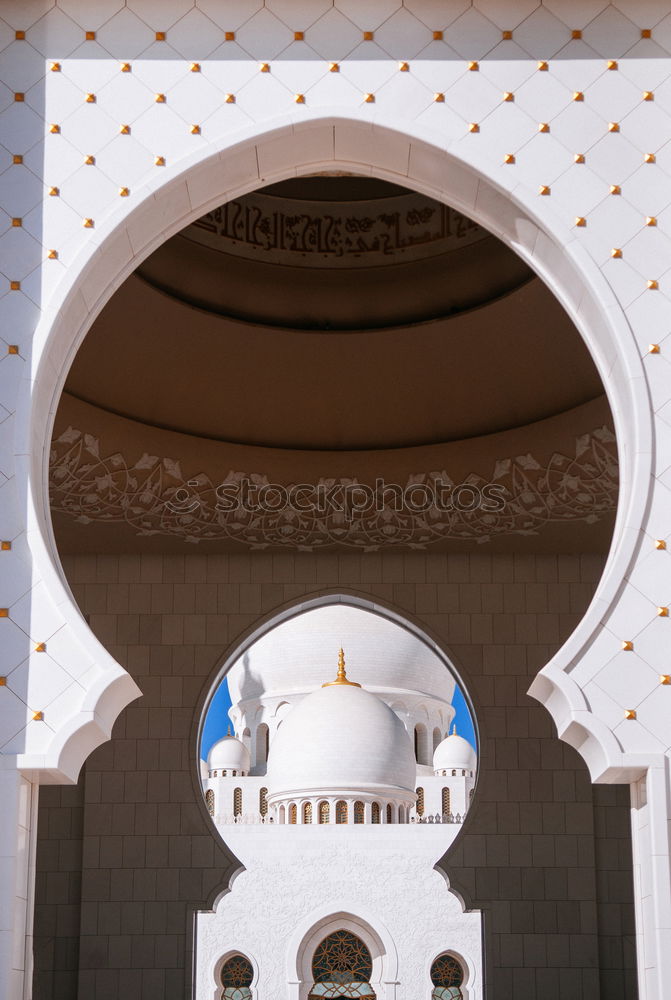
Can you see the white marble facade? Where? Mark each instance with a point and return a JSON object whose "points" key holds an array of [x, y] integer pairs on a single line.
{"points": [[341, 746], [549, 124]]}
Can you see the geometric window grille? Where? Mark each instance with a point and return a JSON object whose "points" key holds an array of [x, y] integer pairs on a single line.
{"points": [[358, 812], [236, 978], [342, 967], [324, 812], [446, 801], [293, 813], [307, 812], [237, 801], [263, 801], [375, 812], [389, 819], [341, 812], [470, 795], [447, 977], [209, 801], [420, 801]]}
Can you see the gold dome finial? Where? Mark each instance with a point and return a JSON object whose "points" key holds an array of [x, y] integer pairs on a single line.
{"points": [[228, 731], [341, 676], [454, 729]]}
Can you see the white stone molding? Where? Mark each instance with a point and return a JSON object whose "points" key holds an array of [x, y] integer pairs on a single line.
{"points": [[315, 927], [217, 964], [466, 963]]}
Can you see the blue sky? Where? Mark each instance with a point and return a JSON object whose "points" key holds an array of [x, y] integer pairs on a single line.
{"points": [[217, 720]]}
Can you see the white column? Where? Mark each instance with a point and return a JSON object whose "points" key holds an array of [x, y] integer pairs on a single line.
{"points": [[18, 835], [651, 845]]}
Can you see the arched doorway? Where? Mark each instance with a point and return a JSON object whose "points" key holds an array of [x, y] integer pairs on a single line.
{"points": [[341, 967]]}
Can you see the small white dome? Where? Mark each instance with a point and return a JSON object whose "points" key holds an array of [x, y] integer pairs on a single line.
{"points": [[454, 753], [341, 738], [229, 754]]}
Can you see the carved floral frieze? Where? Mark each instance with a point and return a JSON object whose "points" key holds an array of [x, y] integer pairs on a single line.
{"points": [[153, 497]]}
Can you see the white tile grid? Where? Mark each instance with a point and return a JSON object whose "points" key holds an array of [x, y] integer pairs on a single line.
{"points": [[198, 98]]}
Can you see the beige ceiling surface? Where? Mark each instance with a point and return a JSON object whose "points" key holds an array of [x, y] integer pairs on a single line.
{"points": [[152, 358], [184, 385]]}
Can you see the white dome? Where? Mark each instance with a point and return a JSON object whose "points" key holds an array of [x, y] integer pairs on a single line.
{"points": [[454, 753], [297, 655], [341, 738], [229, 754]]}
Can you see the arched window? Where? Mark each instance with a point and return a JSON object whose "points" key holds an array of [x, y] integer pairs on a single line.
{"points": [[447, 977], [358, 812], [420, 801], [389, 819], [236, 978], [421, 744], [341, 811], [446, 801], [282, 813], [375, 812], [342, 967], [262, 744], [307, 812], [470, 796], [293, 813], [324, 812], [436, 738], [209, 801], [237, 802], [263, 801]]}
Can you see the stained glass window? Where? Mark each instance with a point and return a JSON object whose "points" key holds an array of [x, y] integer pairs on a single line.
{"points": [[209, 801], [307, 812], [342, 967], [420, 801], [293, 813], [341, 811], [446, 801], [324, 812], [358, 812], [375, 812], [263, 801], [237, 801], [236, 978], [447, 977]]}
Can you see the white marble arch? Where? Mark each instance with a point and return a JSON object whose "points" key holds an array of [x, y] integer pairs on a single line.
{"points": [[318, 925], [417, 158], [414, 158], [218, 964]]}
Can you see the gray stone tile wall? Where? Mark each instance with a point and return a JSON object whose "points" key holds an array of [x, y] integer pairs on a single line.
{"points": [[126, 856]]}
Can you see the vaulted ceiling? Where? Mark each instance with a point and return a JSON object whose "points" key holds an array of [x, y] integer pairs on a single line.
{"points": [[332, 328]]}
